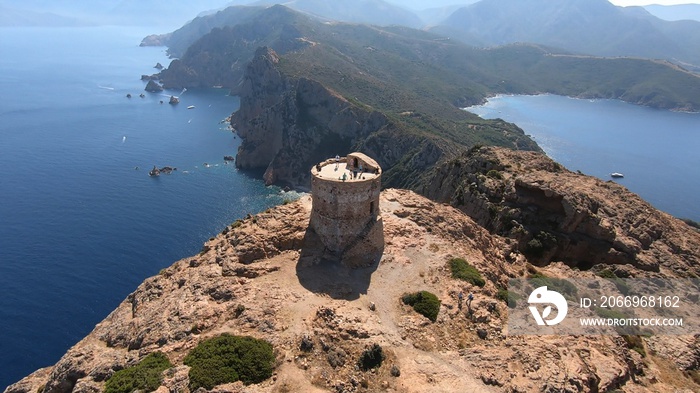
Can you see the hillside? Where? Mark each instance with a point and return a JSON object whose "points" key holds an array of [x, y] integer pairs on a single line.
{"points": [[20, 17], [374, 12], [675, 12], [269, 277], [593, 27], [323, 88], [585, 221]]}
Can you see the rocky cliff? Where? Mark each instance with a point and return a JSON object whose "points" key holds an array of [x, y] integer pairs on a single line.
{"points": [[555, 214], [219, 54], [267, 277], [288, 125]]}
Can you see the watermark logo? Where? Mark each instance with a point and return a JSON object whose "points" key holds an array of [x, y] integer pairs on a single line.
{"points": [[603, 306], [543, 296]]}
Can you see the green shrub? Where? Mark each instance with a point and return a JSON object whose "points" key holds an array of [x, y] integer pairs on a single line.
{"points": [[494, 174], [609, 314], [508, 297], [692, 223], [240, 309], [606, 273], [228, 358], [371, 357], [621, 285], [424, 303], [538, 245], [466, 272], [635, 343], [146, 375], [563, 286]]}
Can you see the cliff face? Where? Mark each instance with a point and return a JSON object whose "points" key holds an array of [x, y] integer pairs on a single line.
{"points": [[557, 215], [287, 125], [219, 54], [273, 267]]}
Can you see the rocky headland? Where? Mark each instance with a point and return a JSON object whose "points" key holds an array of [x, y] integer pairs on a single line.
{"points": [[578, 219], [268, 276], [288, 123]]}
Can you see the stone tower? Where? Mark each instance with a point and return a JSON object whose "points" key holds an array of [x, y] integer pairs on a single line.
{"points": [[345, 213]]}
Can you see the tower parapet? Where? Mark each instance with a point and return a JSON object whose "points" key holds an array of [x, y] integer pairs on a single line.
{"points": [[345, 213]]}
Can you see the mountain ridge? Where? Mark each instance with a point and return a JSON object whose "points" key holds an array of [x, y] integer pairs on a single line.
{"points": [[594, 27]]}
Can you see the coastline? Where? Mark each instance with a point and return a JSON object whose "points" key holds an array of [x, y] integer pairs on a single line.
{"points": [[485, 100], [593, 135], [70, 178]]}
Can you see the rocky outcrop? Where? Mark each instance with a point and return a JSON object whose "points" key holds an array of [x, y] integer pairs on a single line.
{"points": [[179, 75], [558, 215], [266, 276], [289, 125], [156, 40], [220, 57], [153, 87]]}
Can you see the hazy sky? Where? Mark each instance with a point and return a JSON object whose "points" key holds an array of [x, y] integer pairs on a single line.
{"points": [[625, 3]]}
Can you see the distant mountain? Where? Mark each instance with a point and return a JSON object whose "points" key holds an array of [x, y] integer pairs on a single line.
{"points": [[418, 5], [594, 27], [377, 12], [179, 40], [18, 17], [434, 16], [675, 12], [169, 13], [373, 12], [159, 12]]}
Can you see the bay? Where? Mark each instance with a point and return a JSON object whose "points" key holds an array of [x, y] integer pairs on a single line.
{"points": [[80, 225], [658, 151]]}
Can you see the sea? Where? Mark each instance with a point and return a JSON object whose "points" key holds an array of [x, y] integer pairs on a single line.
{"points": [[81, 222], [657, 151]]}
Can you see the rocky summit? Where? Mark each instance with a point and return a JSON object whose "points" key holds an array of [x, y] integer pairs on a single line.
{"points": [[269, 276]]}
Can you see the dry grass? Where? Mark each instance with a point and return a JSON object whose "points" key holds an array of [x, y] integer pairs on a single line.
{"points": [[671, 375]]}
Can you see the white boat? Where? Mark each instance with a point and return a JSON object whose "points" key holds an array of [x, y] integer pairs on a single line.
{"points": [[616, 175], [190, 107]]}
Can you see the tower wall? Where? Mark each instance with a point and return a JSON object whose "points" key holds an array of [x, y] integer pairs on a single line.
{"points": [[344, 212]]}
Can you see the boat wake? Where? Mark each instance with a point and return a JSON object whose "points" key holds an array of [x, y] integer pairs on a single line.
{"points": [[105, 87]]}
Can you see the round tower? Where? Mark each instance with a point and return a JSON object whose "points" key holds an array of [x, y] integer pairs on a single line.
{"points": [[345, 203]]}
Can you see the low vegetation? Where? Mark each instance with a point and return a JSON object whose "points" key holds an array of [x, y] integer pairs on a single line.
{"points": [[540, 244], [424, 303], [462, 270], [145, 376], [563, 286], [609, 314], [494, 174], [227, 358], [692, 223], [371, 357], [621, 285], [508, 297], [635, 343]]}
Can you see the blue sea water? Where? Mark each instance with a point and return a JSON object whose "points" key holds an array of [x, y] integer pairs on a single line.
{"points": [[80, 227], [658, 151]]}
